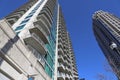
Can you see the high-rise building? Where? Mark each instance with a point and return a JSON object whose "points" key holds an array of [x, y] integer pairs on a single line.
{"points": [[35, 45], [106, 28]]}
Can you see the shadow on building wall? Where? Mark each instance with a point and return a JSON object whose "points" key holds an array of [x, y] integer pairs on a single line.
{"points": [[7, 47]]}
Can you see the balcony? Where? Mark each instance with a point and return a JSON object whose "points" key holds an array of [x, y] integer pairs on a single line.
{"points": [[60, 51], [47, 19], [71, 77], [41, 61], [61, 67], [37, 29], [66, 70], [60, 37], [75, 73], [60, 59], [36, 43], [65, 57], [76, 77], [67, 77], [74, 69], [66, 63], [43, 25], [60, 45], [70, 72], [65, 51], [61, 76]]}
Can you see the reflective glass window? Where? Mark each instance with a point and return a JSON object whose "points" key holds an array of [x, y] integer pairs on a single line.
{"points": [[25, 21], [31, 78], [20, 27]]}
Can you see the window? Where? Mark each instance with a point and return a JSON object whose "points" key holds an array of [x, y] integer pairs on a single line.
{"points": [[35, 8], [33, 11], [20, 27], [29, 16], [31, 78], [11, 22], [24, 21]]}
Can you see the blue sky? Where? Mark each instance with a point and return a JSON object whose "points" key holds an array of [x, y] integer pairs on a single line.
{"points": [[78, 16]]}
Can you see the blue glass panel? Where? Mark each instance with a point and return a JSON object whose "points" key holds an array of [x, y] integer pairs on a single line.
{"points": [[20, 27], [31, 78], [36, 7], [24, 21], [50, 51], [51, 46], [33, 11], [48, 70], [29, 16]]}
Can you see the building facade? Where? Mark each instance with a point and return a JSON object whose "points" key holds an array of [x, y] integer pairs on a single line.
{"points": [[35, 45], [106, 27]]}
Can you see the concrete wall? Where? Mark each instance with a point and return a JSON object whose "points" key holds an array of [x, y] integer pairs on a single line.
{"points": [[17, 61]]}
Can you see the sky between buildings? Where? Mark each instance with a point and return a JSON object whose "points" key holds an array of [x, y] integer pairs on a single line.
{"points": [[78, 17]]}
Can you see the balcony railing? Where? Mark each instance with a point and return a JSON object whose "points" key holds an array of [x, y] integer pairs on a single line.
{"points": [[67, 77], [36, 43], [41, 29], [38, 38], [61, 76], [60, 58], [60, 51], [43, 25]]}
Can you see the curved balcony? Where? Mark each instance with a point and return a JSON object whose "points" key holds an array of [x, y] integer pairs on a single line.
{"points": [[66, 63], [65, 57], [70, 73], [75, 73], [66, 70], [40, 32], [67, 77], [60, 51], [36, 43], [43, 25], [60, 76], [45, 19], [76, 77], [70, 77], [61, 68], [46, 16], [60, 59]]}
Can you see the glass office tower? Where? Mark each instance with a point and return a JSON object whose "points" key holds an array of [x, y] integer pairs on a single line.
{"points": [[106, 27], [35, 44]]}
